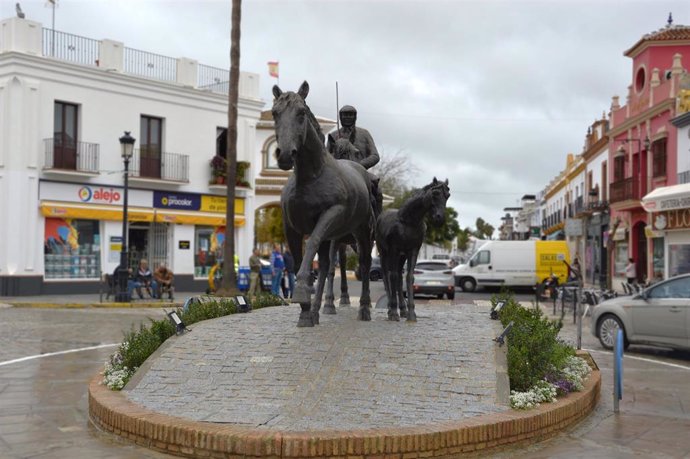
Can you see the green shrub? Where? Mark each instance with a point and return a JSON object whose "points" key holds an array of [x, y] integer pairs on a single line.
{"points": [[140, 345], [534, 349], [352, 260], [265, 299]]}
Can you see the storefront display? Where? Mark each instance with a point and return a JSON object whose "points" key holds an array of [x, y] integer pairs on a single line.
{"points": [[72, 249], [209, 248], [678, 259], [621, 259], [658, 259]]}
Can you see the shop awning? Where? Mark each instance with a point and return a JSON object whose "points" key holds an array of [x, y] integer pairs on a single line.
{"points": [[136, 214], [667, 198]]}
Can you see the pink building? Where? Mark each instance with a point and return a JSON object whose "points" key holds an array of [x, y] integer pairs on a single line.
{"points": [[643, 151]]}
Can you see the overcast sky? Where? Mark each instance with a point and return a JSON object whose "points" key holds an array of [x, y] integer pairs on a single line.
{"points": [[489, 94]]}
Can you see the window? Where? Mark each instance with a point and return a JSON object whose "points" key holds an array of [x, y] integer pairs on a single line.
{"points": [[678, 288], [604, 181], [72, 249], [621, 258], [678, 259], [209, 248], [65, 136], [658, 258], [618, 168], [659, 158], [222, 142], [484, 257], [150, 147], [270, 160]]}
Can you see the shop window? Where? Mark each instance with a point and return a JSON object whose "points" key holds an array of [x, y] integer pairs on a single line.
{"points": [[621, 259], [678, 259], [659, 158], [72, 249], [209, 248]]}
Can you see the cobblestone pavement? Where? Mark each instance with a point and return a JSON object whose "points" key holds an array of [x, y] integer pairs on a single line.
{"points": [[341, 374]]}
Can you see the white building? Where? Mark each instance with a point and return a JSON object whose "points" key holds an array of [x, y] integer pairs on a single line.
{"points": [[62, 110]]}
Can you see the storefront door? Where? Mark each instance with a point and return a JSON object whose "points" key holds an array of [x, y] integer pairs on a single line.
{"points": [[148, 241]]}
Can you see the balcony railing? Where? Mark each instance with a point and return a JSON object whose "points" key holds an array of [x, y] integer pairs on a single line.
{"points": [[70, 155], [212, 78], [624, 190], [152, 163], [684, 177], [150, 65], [68, 47]]}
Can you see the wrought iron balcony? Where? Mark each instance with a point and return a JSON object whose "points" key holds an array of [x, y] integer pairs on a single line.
{"points": [[154, 164], [624, 190], [684, 177], [63, 153]]}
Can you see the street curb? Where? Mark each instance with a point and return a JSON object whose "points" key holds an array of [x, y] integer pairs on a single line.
{"points": [[42, 305], [113, 412]]}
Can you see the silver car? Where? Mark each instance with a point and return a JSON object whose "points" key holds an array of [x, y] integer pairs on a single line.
{"points": [[660, 315], [433, 277]]}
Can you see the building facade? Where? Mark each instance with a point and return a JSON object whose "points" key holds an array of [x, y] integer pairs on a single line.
{"points": [[64, 102], [644, 155]]}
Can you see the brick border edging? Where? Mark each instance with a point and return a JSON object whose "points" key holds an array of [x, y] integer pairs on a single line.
{"points": [[113, 412]]}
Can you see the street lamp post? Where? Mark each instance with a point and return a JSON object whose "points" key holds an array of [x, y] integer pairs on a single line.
{"points": [[127, 146]]}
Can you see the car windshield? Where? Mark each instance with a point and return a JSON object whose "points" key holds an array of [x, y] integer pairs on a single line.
{"points": [[431, 266]]}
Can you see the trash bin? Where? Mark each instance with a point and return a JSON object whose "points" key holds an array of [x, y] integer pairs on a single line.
{"points": [[243, 278]]}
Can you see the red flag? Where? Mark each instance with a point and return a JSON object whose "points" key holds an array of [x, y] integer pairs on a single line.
{"points": [[273, 69]]}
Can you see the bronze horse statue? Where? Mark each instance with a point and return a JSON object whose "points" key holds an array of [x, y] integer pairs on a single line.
{"points": [[344, 149], [399, 236], [324, 198]]}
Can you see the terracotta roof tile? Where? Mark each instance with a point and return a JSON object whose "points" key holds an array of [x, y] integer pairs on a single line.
{"points": [[668, 33]]}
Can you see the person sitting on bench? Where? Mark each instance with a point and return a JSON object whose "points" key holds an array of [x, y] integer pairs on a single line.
{"points": [[164, 278], [144, 278]]}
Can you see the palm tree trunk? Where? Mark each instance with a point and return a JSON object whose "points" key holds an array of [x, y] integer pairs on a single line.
{"points": [[229, 284]]}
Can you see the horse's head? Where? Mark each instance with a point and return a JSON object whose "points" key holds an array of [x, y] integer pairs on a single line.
{"points": [[292, 117], [438, 193], [343, 148]]}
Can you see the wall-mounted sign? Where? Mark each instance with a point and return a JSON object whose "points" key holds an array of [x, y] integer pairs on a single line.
{"points": [[218, 204], [179, 201], [671, 219], [183, 245], [92, 194]]}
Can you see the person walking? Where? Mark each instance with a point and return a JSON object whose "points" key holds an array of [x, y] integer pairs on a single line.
{"points": [[254, 274], [289, 271], [631, 271], [277, 265]]}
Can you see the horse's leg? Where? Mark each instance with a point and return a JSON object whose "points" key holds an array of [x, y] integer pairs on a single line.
{"points": [[364, 246], [399, 267], [328, 218], [328, 305], [342, 259], [324, 252], [294, 240], [389, 266], [411, 263]]}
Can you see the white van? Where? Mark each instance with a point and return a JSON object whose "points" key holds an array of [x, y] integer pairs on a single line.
{"points": [[513, 263]]}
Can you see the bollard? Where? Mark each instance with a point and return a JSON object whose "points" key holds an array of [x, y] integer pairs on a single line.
{"points": [[617, 369]]}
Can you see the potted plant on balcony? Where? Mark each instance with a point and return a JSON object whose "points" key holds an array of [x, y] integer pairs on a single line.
{"points": [[218, 170], [240, 179]]}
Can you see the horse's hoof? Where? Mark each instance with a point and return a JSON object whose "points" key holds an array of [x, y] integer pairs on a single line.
{"points": [[344, 301], [411, 316], [315, 317], [305, 320], [329, 309], [403, 313], [393, 315], [364, 314]]}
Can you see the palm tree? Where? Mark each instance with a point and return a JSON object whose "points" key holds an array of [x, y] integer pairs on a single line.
{"points": [[229, 284]]}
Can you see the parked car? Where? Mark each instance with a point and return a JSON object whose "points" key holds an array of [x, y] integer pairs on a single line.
{"points": [[433, 277], [375, 272], [659, 315]]}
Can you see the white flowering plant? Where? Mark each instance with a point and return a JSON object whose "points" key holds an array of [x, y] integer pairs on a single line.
{"points": [[570, 378], [115, 373]]}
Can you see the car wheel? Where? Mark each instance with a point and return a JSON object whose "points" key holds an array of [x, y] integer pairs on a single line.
{"points": [[607, 328], [374, 276], [468, 284], [450, 295], [439, 296]]}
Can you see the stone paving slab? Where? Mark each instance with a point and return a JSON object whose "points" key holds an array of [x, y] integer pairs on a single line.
{"points": [[259, 370]]}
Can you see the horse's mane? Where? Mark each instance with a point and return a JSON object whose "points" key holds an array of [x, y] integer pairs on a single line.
{"points": [[290, 98]]}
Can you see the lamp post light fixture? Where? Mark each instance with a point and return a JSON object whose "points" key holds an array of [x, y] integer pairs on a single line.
{"points": [[123, 296], [640, 143]]}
